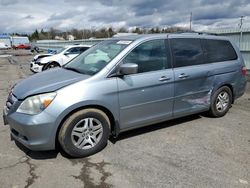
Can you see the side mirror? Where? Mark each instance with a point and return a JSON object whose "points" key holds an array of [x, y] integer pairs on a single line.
{"points": [[66, 53], [128, 68]]}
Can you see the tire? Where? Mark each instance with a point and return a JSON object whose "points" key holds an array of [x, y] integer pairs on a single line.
{"points": [[51, 65], [78, 138], [221, 102]]}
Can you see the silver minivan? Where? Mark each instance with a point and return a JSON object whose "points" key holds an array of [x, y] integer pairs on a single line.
{"points": [[122, 84]]}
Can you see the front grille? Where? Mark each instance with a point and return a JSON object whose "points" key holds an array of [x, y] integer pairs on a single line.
{"points": [[10, 101]]}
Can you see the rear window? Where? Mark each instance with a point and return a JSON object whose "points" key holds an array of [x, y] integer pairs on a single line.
{"points": [[187, 52], [218, 50]]}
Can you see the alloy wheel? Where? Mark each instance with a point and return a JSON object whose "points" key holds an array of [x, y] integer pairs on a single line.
{"points": [[87, 133], [222, 101]]}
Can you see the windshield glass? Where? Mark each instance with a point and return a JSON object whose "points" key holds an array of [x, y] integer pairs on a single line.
{"points": [[96, 58], [60, 50]]}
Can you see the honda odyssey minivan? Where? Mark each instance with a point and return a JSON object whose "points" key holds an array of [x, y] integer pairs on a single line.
{"points": [[122, 84]]}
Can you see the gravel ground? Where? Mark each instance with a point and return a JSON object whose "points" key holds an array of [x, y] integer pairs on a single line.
{"points": [[194, 151]]}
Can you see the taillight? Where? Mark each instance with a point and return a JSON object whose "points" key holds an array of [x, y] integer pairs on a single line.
{"points": [[244, 71]]}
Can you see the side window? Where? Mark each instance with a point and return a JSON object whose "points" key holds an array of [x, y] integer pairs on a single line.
{"points": [[186, 51], [73, 50], [82, 49], [149, 56], [218, 50]]}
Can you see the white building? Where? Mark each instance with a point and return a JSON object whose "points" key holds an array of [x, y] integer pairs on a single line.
{"points": [[17, 40]]}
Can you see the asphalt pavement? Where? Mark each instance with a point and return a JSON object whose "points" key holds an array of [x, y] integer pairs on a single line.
{"points": [[194, 151]]}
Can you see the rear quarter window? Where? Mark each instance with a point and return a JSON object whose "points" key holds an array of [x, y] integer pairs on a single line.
{"points": [[218, 50]]}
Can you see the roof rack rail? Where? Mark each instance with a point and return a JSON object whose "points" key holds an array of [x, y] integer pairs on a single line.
{"points": [[195, 32]]}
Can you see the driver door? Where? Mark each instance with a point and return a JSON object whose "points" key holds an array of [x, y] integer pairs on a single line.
{"points": [[147, 97]]}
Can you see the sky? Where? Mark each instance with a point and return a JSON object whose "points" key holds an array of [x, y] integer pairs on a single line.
{"points": [[27, 15]]}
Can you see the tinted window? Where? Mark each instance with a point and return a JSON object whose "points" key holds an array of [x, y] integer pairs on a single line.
{"points": [[186, 52], [74, 50], [149, 56], [82, 49], [218, 50]]}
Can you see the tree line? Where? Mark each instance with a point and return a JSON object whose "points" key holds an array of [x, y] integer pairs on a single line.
{"points": [[53, 33]]}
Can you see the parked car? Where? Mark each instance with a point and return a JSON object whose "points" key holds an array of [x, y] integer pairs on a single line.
{"points": [[38, 57], [3, 45], [122, 84], [63, 56], [22, 46]]}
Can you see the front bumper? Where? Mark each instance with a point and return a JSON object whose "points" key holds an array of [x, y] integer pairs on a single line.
{"points": [[5, 122], [35, 67], [35, 132]]}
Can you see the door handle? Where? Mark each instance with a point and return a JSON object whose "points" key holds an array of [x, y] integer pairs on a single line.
{"points": [[183, 75], [164, 78]]}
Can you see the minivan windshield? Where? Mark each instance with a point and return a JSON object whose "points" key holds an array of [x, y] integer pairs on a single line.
{"points": [[96, 58]]}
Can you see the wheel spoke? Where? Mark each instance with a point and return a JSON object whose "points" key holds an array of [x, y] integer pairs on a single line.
{"points": [[86, 123], [94, 138], [96, 127], [220, 97], [74, 133], [218, 106], [224, 105], [80, 129], [79, 141], [96, 132], [225, 96], [85, 141], [91, 142], [91, 123]]}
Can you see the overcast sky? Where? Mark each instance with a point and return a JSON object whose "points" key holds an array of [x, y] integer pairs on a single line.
{"points": [[28, 15]]}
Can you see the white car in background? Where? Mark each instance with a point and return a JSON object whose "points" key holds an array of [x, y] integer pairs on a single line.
{"points": [[3, 46], [43, 62]]}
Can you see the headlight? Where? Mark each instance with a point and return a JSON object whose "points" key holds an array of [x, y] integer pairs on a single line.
{"points": [[36, 104], [38, 61]]}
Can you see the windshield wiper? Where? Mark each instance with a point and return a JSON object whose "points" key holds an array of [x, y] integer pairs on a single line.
{"points": [[76, 70], [72, 69]]}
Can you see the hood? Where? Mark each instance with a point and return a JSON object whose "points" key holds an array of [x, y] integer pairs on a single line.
{"points": [[47, 81], [53, 57], [42, 55]]}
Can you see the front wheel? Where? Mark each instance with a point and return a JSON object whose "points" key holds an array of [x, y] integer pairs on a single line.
{"points": [[51, 66], [221, 102], [84, 133]]}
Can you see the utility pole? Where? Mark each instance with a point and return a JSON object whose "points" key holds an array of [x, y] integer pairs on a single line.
{"points": [[190, 24], [240, 25], [241, 21]]}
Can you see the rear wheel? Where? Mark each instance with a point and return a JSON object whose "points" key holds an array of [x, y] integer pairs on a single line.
{"points": [[221, 102], [84, 133]]}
